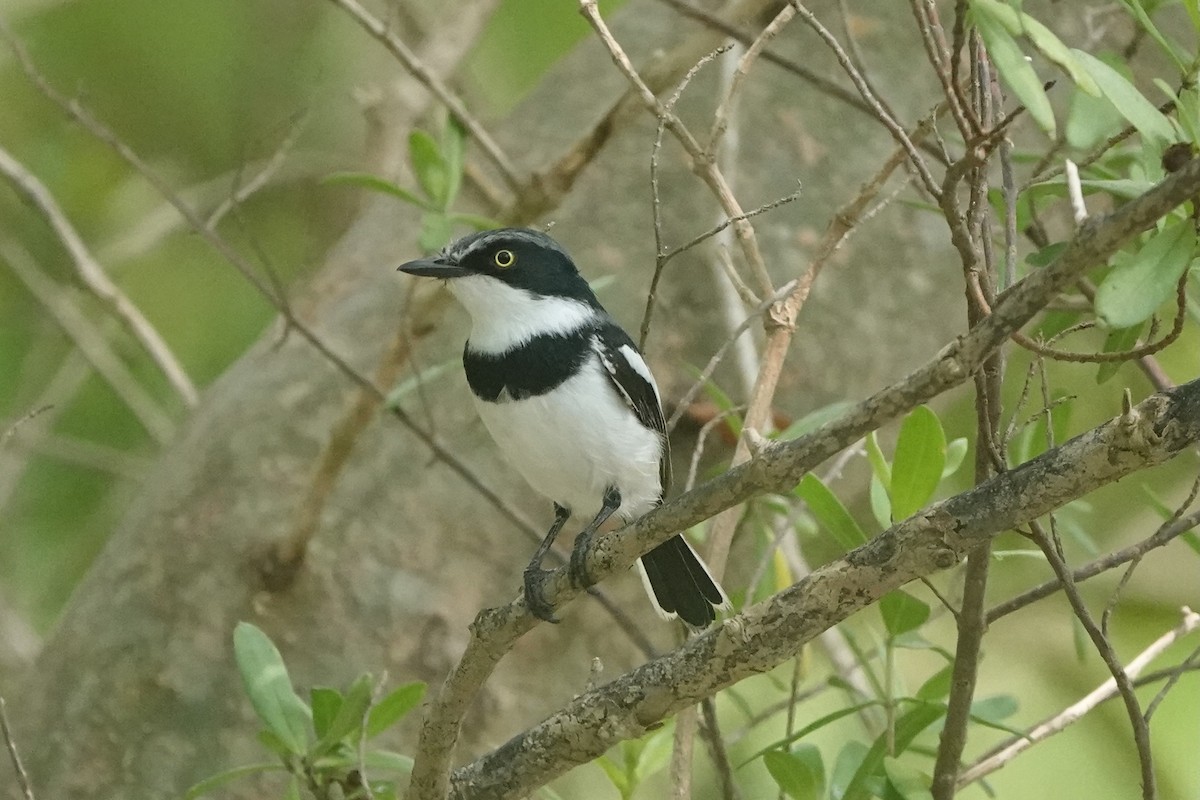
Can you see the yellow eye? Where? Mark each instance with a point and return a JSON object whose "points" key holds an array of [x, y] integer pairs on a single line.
{"points": [[504, 259]]}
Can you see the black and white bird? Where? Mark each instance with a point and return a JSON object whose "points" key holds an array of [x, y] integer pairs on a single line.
{"points": [[570, 401]]}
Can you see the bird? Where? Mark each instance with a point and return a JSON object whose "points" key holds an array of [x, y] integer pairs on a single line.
{"points": [[569, 400]]}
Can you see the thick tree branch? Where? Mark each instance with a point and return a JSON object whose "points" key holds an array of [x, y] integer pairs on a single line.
{"points": [[771, 632]]}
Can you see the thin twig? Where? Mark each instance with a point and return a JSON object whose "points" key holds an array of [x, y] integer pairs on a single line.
{"points": [[881, 114], [11, 745], [660, 254], [703, 165], [1005, 753], [244, 191], [1133, 708], [96, 279], [408, 59], [12, 429], [92, 343]]}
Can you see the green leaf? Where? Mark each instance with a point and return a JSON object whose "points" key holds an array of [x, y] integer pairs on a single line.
{"points": [[879, 464], [325, 705], [1014, 68], [881, 506], [655, 753], [937, 686], [1133, 291], [799, 773], [908, 726], [350, 716], [909, 783], [436, 230], [956, 453], [395, 705], [815, 419], [1129, 102], [813, 726], [830, 512], [1119, 340], [917, 465], [430, 167], [228, 776], [1047, 43], [1176, 53], [995, 708], [269, 688], [365, 180], [845, 767], [902, 612], [616, 774]]}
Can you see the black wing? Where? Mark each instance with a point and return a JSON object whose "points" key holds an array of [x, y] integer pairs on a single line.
{"points": [[630, 376]]}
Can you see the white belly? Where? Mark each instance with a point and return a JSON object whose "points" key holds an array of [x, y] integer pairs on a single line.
{"points": [[571, 444]]}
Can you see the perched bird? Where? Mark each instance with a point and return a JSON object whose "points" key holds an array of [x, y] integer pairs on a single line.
{"points": [[571, 403]]}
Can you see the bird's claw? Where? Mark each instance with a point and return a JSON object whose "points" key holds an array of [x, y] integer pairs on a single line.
{"points": [[535, 594], [577, 569]]}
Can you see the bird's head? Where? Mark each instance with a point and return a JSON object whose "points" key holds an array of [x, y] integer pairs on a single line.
{"points": [[512, 278], [507, 258]]}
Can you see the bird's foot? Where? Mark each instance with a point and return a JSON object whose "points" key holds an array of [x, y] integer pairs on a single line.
{"points": [[535, 593], [577, 570]]}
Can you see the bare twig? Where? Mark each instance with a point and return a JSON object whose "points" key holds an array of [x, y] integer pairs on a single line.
{"points": [[1124, 685], [703, 165], [22, 776], [243, 191], [91, 342], [881, 113], [408, 59], [12, 429], [96, 279], [1005, 753]]}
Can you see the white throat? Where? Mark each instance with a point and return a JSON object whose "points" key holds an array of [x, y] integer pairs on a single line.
{"points": [[504, 317]]}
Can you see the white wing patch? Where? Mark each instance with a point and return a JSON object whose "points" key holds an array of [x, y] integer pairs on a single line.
{"points": [[635, 360]]}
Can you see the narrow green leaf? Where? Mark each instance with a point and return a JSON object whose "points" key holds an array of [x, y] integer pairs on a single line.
{"points": [[616, 775], [1119, 340], [830, 512], [815, 725], [430, 167], [395, 705], [902, 612], [1048, 44], [1015, 69], [917, 465], [270, 690], [293, 790], [1173, 50], [350, 716], [879, 464], [799, 773], [881, 506], [228, 776], [908, 726], [365, 180], [1130, 293], [1129, 102], [325, 705]]}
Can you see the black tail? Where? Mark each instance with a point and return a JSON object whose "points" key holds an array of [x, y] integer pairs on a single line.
{"points": [[679, 584]]}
